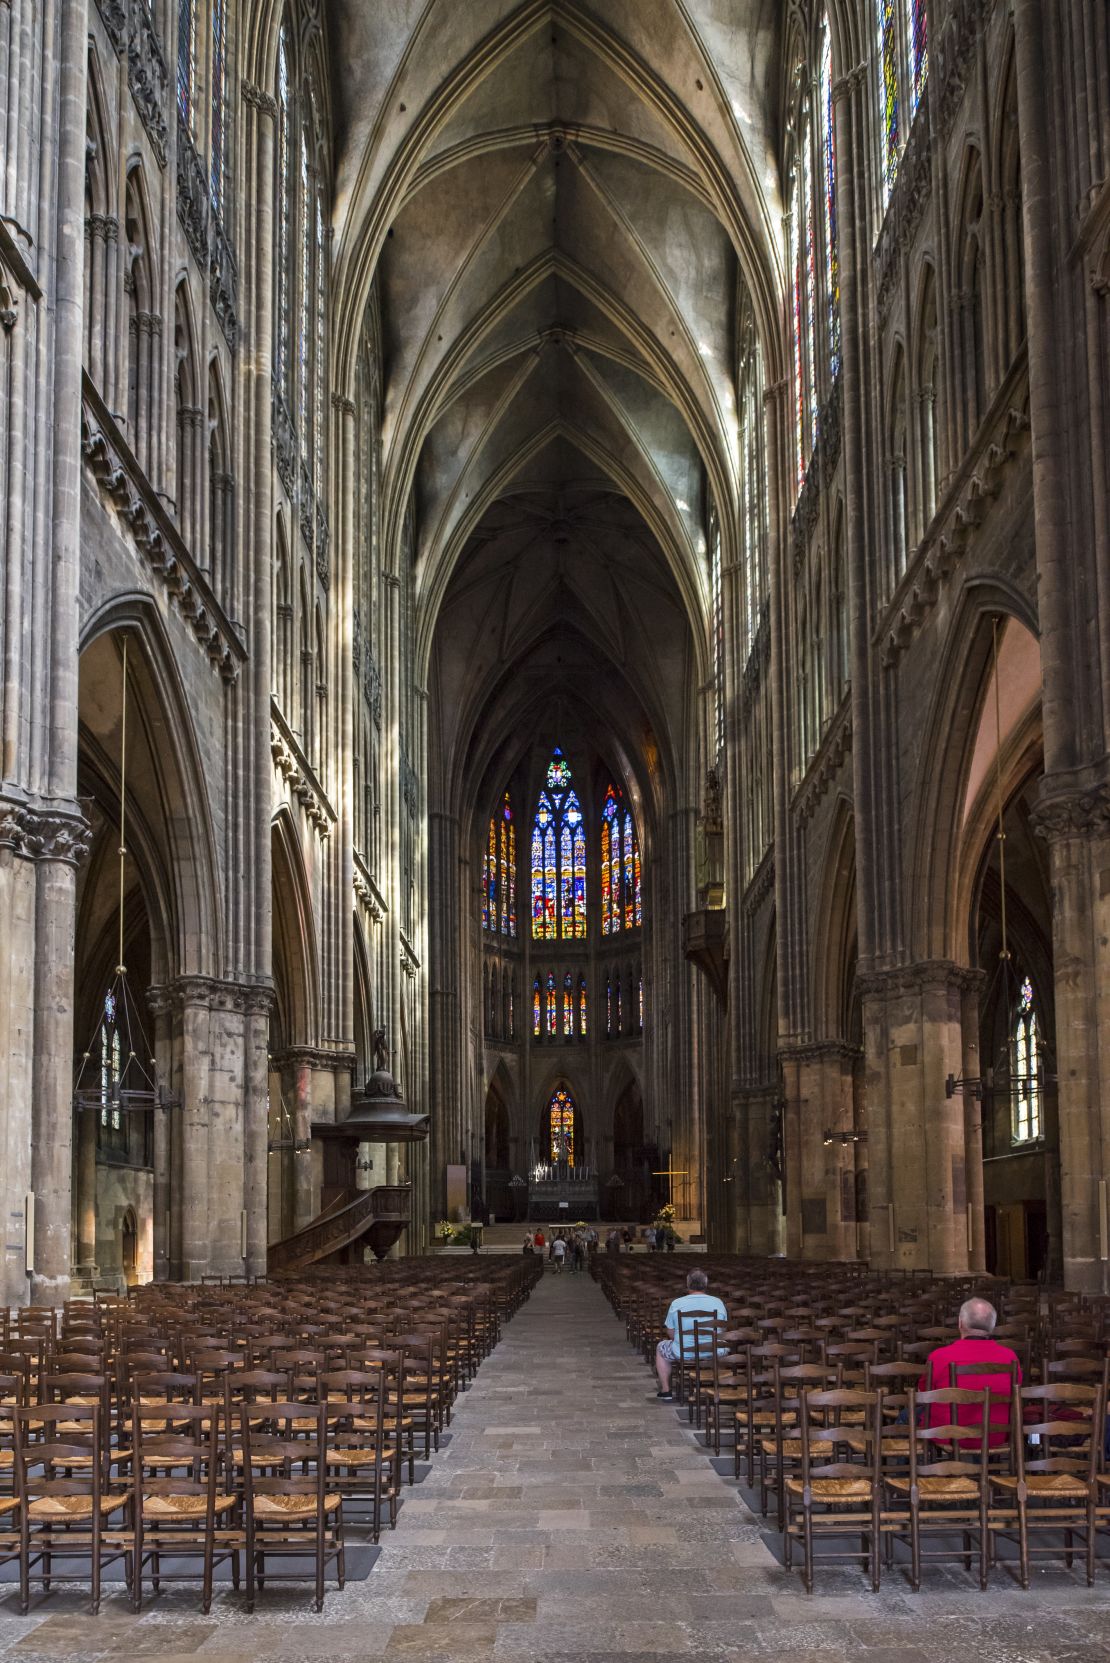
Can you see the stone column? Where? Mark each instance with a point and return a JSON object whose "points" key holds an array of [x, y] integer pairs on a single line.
{"points": [[256, 1129], [913, 1039], [818, 1087], [58, 843], [1077, 829]]}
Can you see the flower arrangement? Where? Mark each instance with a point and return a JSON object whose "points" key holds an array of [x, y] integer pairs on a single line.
{"points": [[665, 1215], [445, 1231]]}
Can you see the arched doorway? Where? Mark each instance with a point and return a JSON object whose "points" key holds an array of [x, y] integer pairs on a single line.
{"points": [[630, 1193], [497, 1156], [129, 1247]]}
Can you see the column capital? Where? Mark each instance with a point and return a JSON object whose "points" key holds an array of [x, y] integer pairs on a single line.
{"points": [[928, 975], [1072, 809], [259, 100], [45, 830], [210, 993]]}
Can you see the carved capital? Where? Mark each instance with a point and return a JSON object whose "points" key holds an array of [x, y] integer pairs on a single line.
{"points": [[263, 102], [41, 831], [1082, 813], [928, 975], [210, 993]]}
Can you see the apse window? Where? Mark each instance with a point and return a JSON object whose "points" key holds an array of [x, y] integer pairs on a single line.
{"points": [[561, 1122], [1024, 1069]]}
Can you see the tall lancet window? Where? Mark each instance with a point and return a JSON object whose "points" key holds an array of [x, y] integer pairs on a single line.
{"points": [[902, 31], [561, 1123], [621, 902], [828, 168], [219, 118], [283, 227], [499, 872], [558, 858], [1025, 1069], [186, 62]]}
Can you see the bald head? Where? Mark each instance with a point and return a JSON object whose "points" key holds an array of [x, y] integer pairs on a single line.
{"points": [[977, 1317]]}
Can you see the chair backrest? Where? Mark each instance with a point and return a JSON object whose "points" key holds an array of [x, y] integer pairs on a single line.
{"points": [[940, 1430], [823, 1410], [1069, 1433]]}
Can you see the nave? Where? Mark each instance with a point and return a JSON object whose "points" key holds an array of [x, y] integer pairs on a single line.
{"points": [[570, 1516]]}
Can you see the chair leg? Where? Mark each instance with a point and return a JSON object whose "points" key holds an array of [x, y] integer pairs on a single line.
{"points": [[807, 1547]]}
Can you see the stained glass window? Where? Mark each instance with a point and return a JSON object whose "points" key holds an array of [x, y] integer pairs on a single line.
{"points": [[490, 879], [320, 364], [186, 61], [568, 1006], [561, 1122], [111, 1071], [621, 904], [609, 1005], [799, 382], [558, 859], [512, 1013], [811, 291], [889, 113], [282, 300], [219, 54], [917, 40], [640, 1003], [304, 320], [1025, 1069], [583, 1012], [618, 1009], [828, 150], [537, 1009], [508, 869], [552, 1002]]}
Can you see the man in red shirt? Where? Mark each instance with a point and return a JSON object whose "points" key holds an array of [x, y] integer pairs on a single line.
{"points": [[977, 1321]]}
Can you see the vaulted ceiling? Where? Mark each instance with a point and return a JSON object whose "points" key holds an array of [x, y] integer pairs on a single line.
{"points": [[558, 200]]}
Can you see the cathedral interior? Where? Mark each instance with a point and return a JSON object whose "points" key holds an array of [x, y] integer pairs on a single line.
{"points": [[555, 608]]}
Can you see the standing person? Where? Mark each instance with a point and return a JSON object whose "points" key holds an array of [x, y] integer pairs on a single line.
{"points": [[695, 1299], [626, 1237], [528, 1244], [558, 1252], [539, 1242], [579, 1252], [613, 1242], [649, 1238]]}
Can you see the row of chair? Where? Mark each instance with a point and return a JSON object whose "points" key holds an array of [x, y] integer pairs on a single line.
{"points": [[819, 1390], [191, 1426]]}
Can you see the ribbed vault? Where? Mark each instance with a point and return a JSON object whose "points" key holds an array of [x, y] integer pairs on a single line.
{"points": [[558, 202]]}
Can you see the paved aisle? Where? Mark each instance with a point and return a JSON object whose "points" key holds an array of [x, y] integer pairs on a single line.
{"points": [[571, 1517]]}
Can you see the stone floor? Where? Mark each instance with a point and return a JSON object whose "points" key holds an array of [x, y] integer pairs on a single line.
{"points": [[573, 1517]]}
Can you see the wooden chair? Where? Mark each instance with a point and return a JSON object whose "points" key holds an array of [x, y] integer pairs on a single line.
{"points": [[946, 1488], [362, 1465], [181, 1510], [290, 1508], [780, 1449], [1057, 1492], [834, 1499], [64, 1506]]}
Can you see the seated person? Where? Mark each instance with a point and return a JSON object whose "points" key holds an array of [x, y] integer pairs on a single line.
{"points": [[696, 1300], [975, 1345]]}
